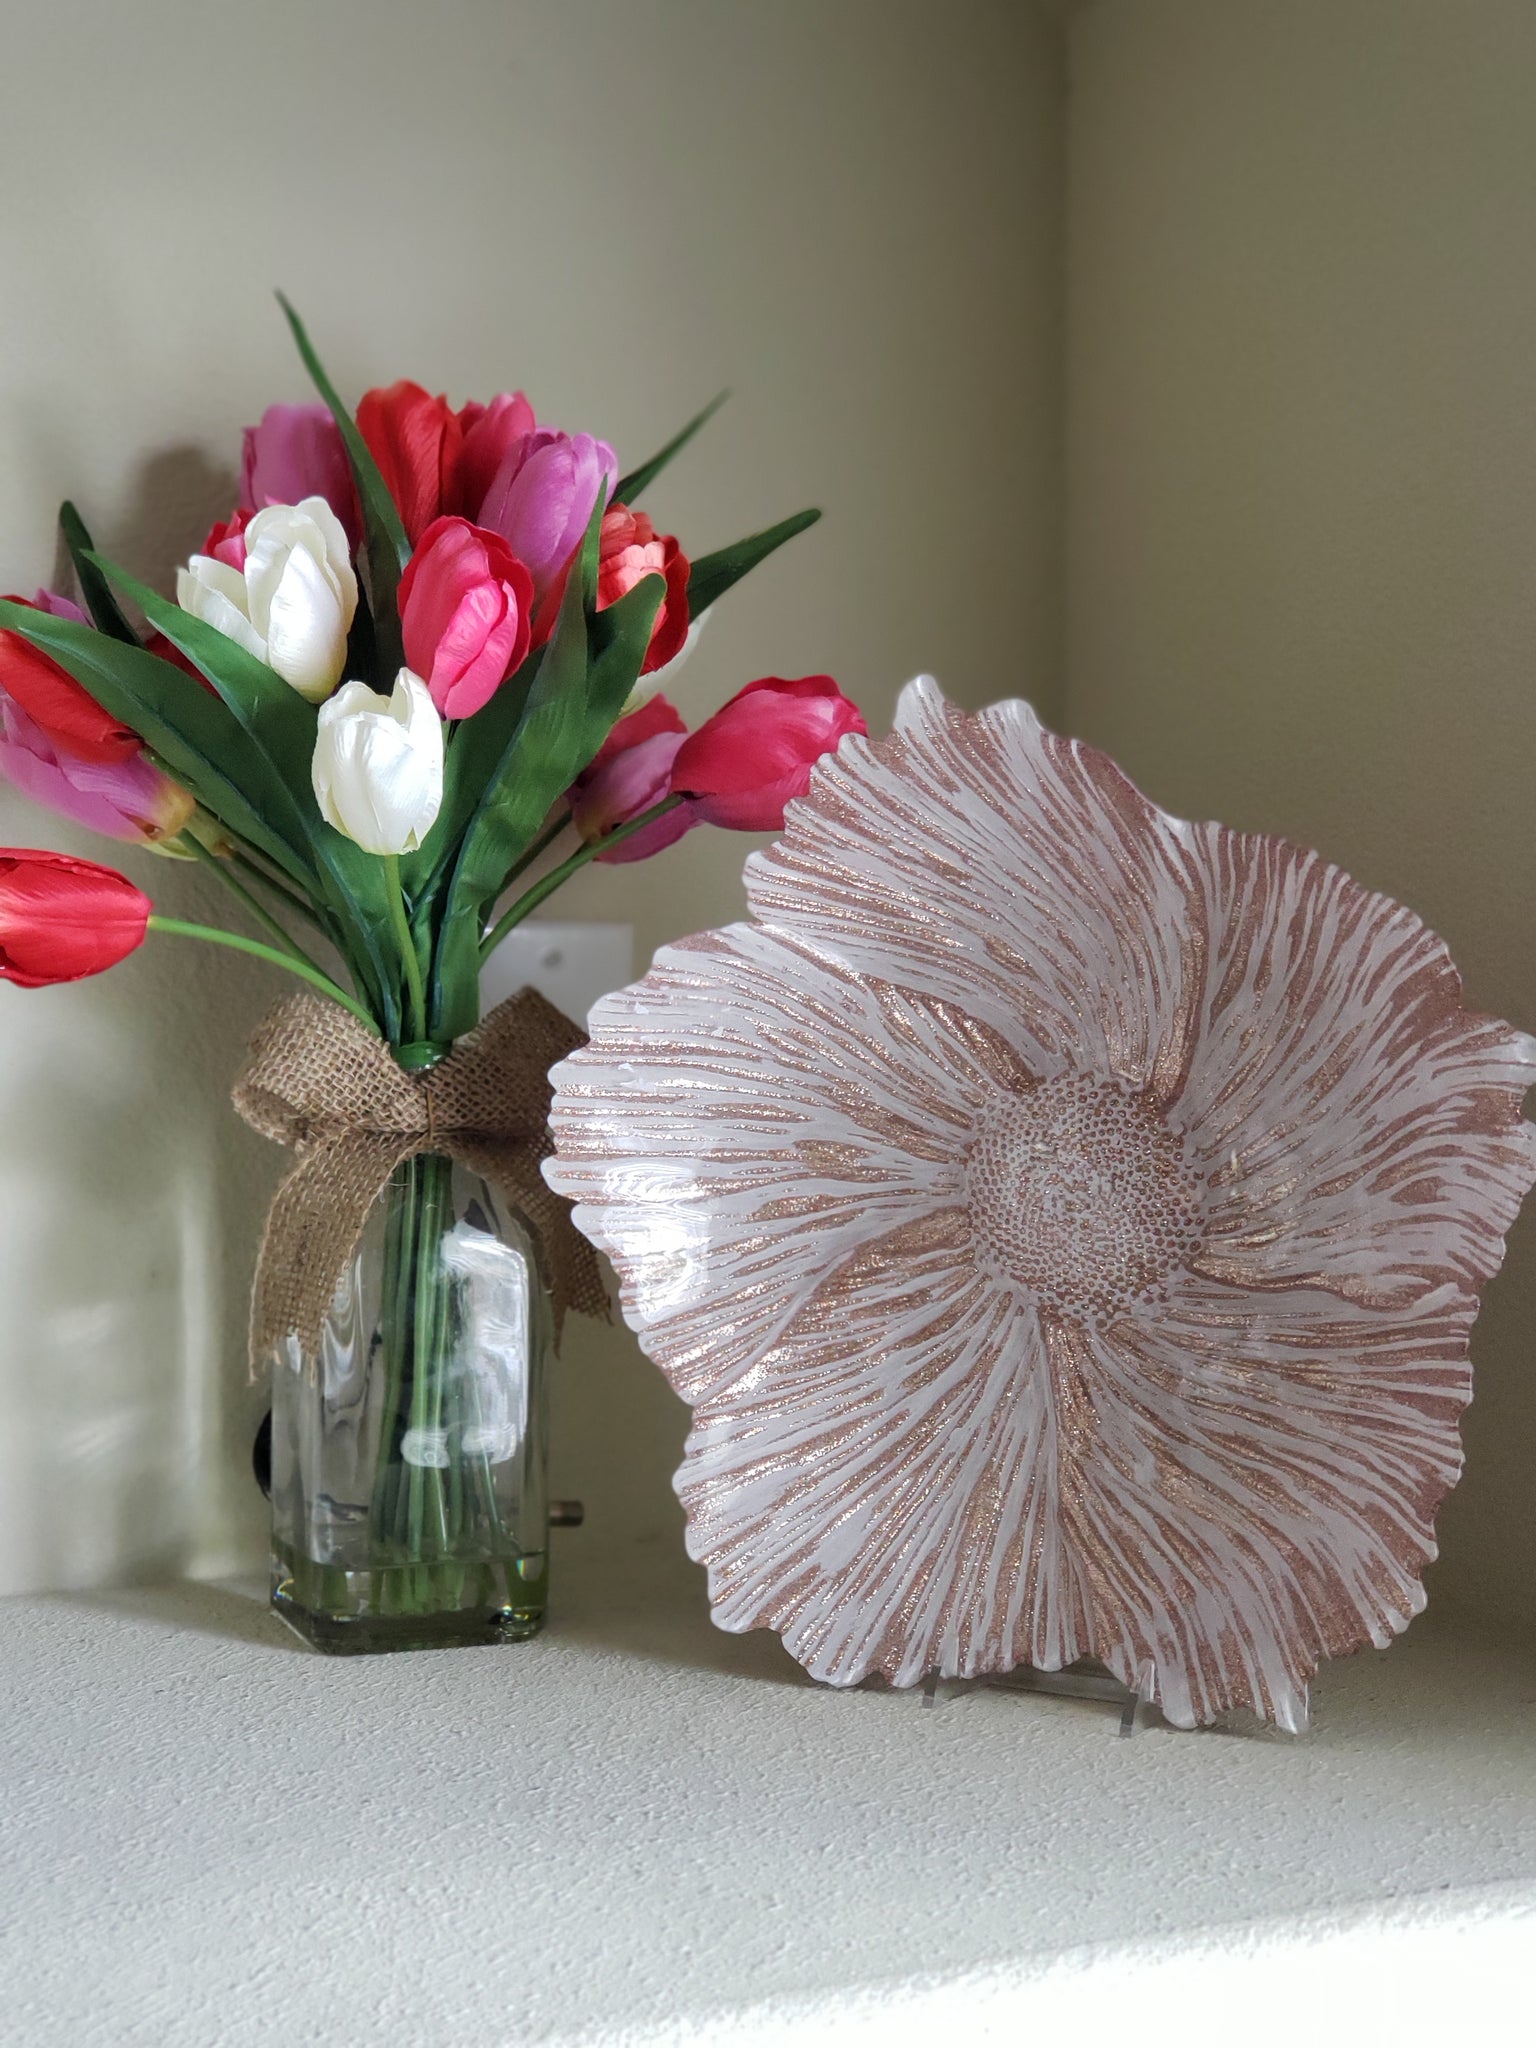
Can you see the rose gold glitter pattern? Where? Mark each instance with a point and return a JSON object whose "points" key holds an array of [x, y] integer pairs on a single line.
{"points": [[1065, 1222], [1078, 1191]]}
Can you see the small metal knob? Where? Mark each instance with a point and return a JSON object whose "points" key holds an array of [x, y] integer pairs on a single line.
{"points": [[567, 1514]]}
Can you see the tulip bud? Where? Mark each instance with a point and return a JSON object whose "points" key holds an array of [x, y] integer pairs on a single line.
{"points": [[291, 601], [126, 798], [489, 433], [415, 439], [630, 549], [60, 748], [630, 774], [378, 765], [464, 605], [541, 498], [756, 754], [296, 452], [68, 713], [61, 919]]}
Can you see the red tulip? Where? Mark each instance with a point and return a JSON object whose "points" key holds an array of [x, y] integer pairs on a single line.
{"points": [[52, 699], [226, 539], [631, 772], [415, 439], [464, 605], [490, 431], [61, 919], [756, 754]]}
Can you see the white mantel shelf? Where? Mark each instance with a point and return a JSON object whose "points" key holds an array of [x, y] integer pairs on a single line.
{"points": [[639, 1830]]}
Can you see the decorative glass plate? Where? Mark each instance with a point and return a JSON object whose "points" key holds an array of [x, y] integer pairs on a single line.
{"points": [[1065, 1222]]}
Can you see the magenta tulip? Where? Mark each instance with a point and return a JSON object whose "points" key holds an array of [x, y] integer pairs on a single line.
{"points": [[296, 452], [756, 754], [541, 498], [465, 601], [631, 773]]}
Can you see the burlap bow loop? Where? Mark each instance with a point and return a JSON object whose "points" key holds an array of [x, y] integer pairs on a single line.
{"points": [[319, 1082]]}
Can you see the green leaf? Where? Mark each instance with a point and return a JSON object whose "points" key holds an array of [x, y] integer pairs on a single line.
{"points": [[472, 743], [713, 575], [589, 669], [629, 487], [195, 735], [272, 712], [388, 548], [279, 749], [94, 588]]}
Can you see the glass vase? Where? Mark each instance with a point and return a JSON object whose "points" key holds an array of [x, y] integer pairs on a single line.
{"points": [[409, 1456]]}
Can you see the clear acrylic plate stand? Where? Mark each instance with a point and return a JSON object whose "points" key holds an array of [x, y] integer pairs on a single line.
{"points": [[1084, 1681]]}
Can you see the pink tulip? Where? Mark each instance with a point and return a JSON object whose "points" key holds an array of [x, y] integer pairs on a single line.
{"points": [[294, 452], [756, 754], [489, 434], [631, 773], [465, 601], [541, 498], [125, 798]]}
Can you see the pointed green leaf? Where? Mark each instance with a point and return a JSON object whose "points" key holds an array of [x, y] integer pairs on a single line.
{"points": [[272, 712], [629, 487], [713, 575], [471, 744], [592, 549], [94, 588]]}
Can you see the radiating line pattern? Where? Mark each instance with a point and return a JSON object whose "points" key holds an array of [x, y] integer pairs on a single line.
{"points": [[1065, 1222]]}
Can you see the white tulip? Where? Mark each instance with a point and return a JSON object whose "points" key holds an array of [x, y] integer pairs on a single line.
{"points": [[293, 604], [378, 767]]}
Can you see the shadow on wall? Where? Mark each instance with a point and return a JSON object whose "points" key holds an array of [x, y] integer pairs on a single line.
{"points": [[133, 1201]]}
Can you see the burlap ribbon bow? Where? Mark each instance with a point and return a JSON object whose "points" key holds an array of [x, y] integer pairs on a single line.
{"points": [[319, 1082]]}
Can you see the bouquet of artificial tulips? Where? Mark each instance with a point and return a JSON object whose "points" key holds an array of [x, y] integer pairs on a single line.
{"points": [[426, 647], [379, 756]]}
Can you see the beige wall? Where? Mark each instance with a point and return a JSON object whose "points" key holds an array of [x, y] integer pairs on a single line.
{"points": [[848, 212], [1302, 496]]}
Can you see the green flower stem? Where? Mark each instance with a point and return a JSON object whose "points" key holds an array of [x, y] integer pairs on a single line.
{"points": [[409, 959], [294, 901], [239, 944], [530, 900], [258, 910], [399, 1253]]}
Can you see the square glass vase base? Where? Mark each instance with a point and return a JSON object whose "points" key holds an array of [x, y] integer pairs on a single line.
{"points": [[406, 1607]]}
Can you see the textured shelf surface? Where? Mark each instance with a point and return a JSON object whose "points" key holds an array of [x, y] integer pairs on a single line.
{"points": [[638, 1829]]}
